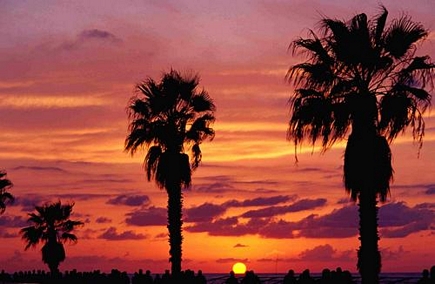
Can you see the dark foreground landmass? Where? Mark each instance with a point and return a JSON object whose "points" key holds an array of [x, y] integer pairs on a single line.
{"points": [[116, 276]]}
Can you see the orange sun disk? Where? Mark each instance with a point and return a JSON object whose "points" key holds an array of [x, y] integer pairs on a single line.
{"points": [[239, 268]]}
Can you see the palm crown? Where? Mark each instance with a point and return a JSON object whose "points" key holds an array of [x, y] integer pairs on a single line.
{"points": [[52, 226], [166, 116], [51, 222], [363, 74]]}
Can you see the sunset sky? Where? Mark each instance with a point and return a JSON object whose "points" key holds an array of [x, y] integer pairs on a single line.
{"points": [[67, 71]]}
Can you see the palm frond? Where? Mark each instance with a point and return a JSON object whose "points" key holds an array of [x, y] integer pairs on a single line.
{"points": [[380, 22], [419, 72], [402, 35], [32, 235], [203, 102], [311, 117], [68, 237], [152, 160], [200, 129], [197, 156]]}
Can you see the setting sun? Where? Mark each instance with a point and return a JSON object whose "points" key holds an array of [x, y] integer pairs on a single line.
{"points": [[239, 268]]}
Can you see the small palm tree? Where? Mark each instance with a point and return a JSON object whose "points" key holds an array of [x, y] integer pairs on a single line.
{"points": [[362, 81], [5, 196], [168, 117], [52, 226]]}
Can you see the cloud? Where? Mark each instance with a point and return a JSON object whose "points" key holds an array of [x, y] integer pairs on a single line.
{"points": [[279, 230], [204, 213], [91, 36], [88, 234], [301, 205], [232, 260], [340, 223], [240, 246], [112, 235], [13, 221], [99, 35], [153, 216], [430, 190], [130, 200], [228, 227], [425, 205], [103, 220], [49, 102], [10, 235], [217, 187], [391, 254], [28, 202], [261, 201], [397, 220], [39, 168], [325, 253]]}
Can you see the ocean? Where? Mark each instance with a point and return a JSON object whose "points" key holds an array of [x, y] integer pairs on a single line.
{"points": [[266, 278]]}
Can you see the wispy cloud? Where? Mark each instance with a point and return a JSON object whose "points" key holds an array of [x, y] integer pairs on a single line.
{"points": [[91, 36], [111, 234], [130, 200], [152, 216], [301, 205], [204, 213], [48, 102]]}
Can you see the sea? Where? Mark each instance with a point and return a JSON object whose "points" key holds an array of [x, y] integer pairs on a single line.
{"points": [[267, 278]]}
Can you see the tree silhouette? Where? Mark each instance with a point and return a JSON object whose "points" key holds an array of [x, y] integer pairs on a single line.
{"points": [[167, 117], [52, 226], [5, 196], [363, 78]]}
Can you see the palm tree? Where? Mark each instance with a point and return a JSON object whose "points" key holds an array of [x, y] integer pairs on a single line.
{"points": [[5, 196], [168, 117], [362, 81], [52, 226]]}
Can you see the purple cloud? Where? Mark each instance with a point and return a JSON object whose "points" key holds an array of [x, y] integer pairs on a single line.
{"points": [[398, 220], [130, 200], [326, 253], [301, 205], [261, 201], [278, 230], [153, 216], [39, 168], [217, 187], [224, 227], [103, 220], [13, 221], [430, 190], [204, 213], [112, 235], [388, 254], [99, 35]]}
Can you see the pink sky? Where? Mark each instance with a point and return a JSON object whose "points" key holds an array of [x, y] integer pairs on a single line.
{"points": [[67, 70]]}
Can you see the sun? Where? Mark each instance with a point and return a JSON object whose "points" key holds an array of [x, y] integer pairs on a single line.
{"points": [[239, 268]]}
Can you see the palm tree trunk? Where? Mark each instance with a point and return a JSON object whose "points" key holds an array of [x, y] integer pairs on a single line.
{"points": [[175, 204], [369, 258]]}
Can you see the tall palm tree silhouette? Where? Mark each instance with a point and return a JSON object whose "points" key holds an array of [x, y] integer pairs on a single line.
{"points": [[52, 226], [5, 196], [363, 78], [167, 117]]}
